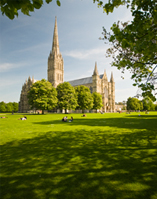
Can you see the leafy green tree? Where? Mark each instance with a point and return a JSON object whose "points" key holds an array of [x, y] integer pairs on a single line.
{"points": [[134, 104], [97, 100], [15, 106], [66, 96], [134, 44], [2, 107], [9, 107], [42, 96], [84, 98], [141, 105], [11, 7], [148, 104], [120, 103]]}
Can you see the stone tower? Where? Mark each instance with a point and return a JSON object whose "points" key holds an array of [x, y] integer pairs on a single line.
{"points": [[96, 80], [55, 61]]}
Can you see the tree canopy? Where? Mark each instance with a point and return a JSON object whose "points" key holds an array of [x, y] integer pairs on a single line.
{"points": [[134, 104], [66, 96], [42, 95], [9, 107], [11, 7], [84, 98], [2, 107], [148, 104], [97, 100], [134, 44]]}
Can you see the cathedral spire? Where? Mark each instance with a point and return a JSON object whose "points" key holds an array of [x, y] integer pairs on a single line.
{"points": [[111, 80], [55, 45], [95, 70]]}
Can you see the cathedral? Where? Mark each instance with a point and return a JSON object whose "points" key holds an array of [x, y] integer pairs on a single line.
{"points": [[55, 73]]}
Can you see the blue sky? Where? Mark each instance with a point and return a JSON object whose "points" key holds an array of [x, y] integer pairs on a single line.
{"points": [[25, 44]]}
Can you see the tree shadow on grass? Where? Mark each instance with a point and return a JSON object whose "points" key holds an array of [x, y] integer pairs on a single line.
{"points": [[131, 122], [80, 165]]}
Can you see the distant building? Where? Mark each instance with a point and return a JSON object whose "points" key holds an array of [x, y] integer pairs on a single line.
{"points": [[96, 83]]}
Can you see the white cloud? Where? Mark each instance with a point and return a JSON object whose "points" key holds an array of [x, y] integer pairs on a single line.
{"points": [[86, 54], [5, 67]]}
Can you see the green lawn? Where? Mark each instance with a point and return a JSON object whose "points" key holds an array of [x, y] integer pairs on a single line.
{"points": [[105, 156]]}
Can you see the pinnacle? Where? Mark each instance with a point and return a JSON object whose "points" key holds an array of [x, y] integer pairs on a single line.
{"points": [[111, 79], [95, 70]]}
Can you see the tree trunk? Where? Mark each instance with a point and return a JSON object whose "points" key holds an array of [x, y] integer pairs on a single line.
{"points": [[66, 111], [83, 111], [42, 111]]}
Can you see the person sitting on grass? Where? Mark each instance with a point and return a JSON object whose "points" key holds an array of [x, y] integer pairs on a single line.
{"points": [[71, 119], [84, 115], [64, 119]]}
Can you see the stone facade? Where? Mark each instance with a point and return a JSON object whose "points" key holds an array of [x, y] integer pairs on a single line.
{"points": [[96, 83], [99, 83], [23, 104]]}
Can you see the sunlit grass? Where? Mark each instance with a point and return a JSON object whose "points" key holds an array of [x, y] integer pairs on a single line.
{"points": [[99, 156]]}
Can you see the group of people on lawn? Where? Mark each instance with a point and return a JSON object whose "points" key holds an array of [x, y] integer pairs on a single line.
{"points": [[65, 119]]}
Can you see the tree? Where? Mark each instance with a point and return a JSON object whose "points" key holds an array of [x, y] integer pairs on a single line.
{"points": [[148, 104], [15, 106], [120, 103], [42, 96], [66, 96], [97, 100], [9, 107], [134, 44], [84, 98], [134, 104], [2, 107], [11, 7]]}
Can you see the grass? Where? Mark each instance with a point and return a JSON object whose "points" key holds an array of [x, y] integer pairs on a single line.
{"points": [[109, 156]]}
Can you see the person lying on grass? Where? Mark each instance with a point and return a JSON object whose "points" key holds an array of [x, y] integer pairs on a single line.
{"points": [[23, 118]]}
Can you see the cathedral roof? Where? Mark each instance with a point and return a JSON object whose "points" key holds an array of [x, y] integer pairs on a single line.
{"points": [[82, 81]]}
